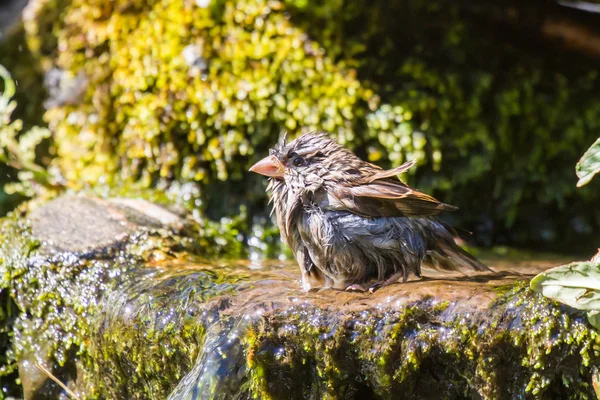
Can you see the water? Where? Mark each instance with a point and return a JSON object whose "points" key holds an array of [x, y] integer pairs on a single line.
{"points": [[244, 329]]}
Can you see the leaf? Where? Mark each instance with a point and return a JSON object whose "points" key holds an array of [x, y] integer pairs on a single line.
{"points": [[6, 105], [594, 320], [589, 165], [9, 84], [576, 284]]}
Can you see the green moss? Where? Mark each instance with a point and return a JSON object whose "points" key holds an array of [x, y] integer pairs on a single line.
{"points": [[8, 374], [195, 119], [507, 116], [62, 319], [157, 321], [14, 247], [526, 347], [195, 97]]}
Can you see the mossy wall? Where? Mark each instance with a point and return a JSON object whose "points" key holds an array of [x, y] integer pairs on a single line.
{"points": [[524, 347], [155, 92]]}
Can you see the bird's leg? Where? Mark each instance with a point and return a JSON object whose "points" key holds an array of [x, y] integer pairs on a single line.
{"points": [[306, 286], [392, 279], [328, 282], [310, 273], [304, 264]]}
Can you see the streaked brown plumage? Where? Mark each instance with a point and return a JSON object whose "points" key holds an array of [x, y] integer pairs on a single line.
{"points": [[352, 224]]}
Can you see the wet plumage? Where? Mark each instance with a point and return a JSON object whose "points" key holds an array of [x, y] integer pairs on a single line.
{"points": [[351, 224]]}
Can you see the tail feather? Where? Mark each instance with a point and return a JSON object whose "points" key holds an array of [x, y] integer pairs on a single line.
{"points": [[446, 255]]}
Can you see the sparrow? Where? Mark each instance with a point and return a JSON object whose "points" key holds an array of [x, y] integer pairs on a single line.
{"points": [[351, 224]]}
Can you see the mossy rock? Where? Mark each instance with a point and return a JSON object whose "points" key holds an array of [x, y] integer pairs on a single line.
{"points": [[144, 316], [59, 259]]}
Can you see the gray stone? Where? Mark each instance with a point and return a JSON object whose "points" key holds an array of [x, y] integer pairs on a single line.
{"points": [[90, 225]]}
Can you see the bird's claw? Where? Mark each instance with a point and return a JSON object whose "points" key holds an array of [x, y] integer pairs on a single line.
{"points": [[359, 288], [356, 288]]}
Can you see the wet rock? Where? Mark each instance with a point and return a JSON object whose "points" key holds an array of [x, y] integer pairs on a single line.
{"points": [[90, 225], [118, 303], [449, 337], [56, 264]]}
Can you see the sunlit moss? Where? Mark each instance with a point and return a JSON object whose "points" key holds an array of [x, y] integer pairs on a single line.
{"points": [[191, 96], [198, 95], [524, 346]]}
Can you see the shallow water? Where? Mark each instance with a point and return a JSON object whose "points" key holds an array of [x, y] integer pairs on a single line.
{"points": [[227, 303]]}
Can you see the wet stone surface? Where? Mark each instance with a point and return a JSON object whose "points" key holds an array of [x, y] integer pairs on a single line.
{"points": [[155, 320], [87, 225]]}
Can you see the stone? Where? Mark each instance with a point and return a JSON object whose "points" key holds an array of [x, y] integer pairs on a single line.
{"points": [[84, 224], [112, 319], [71, 231]]}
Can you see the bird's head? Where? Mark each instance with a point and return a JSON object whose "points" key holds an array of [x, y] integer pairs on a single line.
{"points": [[309, 162]]}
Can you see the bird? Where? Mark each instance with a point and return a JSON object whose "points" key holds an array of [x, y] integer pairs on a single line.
{"points": [[352, 225]]}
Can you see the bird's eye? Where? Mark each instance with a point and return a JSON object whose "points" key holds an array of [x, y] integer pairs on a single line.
{"points": [[298, 162]]}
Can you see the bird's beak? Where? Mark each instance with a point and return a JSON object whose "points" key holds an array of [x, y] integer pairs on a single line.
{"points": [[269, 166]]}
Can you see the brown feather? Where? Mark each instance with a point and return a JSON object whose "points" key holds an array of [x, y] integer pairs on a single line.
{"points": [[389, 173], [386, 198]]}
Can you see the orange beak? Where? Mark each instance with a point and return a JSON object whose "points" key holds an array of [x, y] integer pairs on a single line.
{"points": [[269, 166]]}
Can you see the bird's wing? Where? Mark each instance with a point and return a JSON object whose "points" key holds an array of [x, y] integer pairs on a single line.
{"points": [[389, 173], [387, 198]]}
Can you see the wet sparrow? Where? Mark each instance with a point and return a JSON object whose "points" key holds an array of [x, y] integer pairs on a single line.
{"points": [[351, 224]]}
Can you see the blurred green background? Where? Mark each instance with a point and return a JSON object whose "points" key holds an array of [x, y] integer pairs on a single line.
{"points": [[496, 101]]}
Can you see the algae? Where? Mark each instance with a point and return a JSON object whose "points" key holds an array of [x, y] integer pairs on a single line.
{"points": [[526, 347], [153, 330], [8, 373]]}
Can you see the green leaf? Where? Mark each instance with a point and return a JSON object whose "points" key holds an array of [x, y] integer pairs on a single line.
{"points": [[9, 84], [576, 284], [594, 320], [589, 165], [6, 105]]}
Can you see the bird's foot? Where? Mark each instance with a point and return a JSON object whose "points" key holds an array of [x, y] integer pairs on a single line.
{"points": [[308, 288], [373, 288], [356, 288], [392, 279]]}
